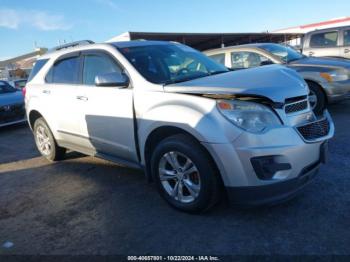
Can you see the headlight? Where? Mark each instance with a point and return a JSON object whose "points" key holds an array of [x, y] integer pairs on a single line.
{"points": [[336, 75], [249, 116]]}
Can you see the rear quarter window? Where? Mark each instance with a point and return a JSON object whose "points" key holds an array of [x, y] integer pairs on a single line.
{"points": [[37, 67]]}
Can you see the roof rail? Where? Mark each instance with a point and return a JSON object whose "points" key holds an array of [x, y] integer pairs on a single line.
{"points": [[72, 44]]}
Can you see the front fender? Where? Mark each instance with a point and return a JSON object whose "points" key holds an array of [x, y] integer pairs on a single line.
{"points": [[202, 121], [314, 77], [312, 73]]}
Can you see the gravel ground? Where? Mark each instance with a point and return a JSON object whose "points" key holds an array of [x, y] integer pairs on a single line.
{"points": [[84, 205]]}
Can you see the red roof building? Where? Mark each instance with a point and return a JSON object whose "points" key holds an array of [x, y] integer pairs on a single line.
{"points": [[336, 22]]}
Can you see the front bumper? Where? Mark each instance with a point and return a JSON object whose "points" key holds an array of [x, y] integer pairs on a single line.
{"points": [[273, 193], [300, 160]]}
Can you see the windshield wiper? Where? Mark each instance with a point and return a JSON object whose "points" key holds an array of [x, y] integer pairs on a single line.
{"points": [[185, 79]]}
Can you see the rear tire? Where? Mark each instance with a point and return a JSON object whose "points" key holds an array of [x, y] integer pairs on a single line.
{"points": [[317, 98], [185, 174], [45, 141]]}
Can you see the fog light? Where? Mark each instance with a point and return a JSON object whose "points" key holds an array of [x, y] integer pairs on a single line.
{"points": [[266, 167]]}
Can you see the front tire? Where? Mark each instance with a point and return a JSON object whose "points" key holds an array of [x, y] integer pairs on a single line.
{"points": [[317, 98], [185, 174], [45, 141]]}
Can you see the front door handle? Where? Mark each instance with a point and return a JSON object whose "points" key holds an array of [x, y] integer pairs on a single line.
{"points": [[346, 50], [311, 53], [47, 92], [82, 98]]}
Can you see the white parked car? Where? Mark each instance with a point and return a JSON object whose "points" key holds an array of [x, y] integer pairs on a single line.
{"points": [[198, 130]]}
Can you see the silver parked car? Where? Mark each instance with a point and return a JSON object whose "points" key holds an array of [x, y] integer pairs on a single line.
{"points": [[11, 105], [194, 127], [327, 78], [331, 42]]}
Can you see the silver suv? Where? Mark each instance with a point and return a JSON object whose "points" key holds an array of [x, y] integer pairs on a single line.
{"points": [[193, 126]]}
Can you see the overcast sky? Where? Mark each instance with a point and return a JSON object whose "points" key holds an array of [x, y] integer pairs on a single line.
{"points": [[46, 22]]}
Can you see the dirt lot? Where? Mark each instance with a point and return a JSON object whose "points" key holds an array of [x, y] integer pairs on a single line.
{"points": [[85, 205]]}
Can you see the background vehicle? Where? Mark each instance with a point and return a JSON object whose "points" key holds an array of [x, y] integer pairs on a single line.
{"points": [[327, 78], [190, 123], [331, 42], [11, 105], [18, 83]]}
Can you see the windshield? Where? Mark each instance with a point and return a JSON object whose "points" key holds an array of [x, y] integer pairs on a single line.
{"points": [[285, 53], [171, 63], [6, 88]]}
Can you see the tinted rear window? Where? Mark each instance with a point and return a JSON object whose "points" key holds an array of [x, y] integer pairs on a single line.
{"points": [[37, 67]]}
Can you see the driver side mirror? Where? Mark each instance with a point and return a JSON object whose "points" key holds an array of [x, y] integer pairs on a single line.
{"points": [[114, 79]]}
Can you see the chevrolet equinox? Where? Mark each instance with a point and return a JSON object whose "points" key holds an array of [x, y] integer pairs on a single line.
{"points": [[198, 130]]}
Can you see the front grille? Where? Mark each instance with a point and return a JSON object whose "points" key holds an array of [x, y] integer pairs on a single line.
{"points": [[315, 130], [296, 107], [11, 113]]}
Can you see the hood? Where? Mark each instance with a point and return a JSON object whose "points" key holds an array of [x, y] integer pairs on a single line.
{"points": [[322, 62], [274, 82], [11, 98]]}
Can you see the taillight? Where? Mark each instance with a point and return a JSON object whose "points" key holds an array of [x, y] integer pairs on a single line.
{"points": [[24, 91]]}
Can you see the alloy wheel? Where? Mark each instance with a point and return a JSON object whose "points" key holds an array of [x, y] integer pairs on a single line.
{"points": [[179, 177], [43, 140]]}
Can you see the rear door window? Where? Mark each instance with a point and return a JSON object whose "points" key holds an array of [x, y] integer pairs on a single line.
{"points": [[245, 59], [65, 71], [327, 39], [219, 58]]}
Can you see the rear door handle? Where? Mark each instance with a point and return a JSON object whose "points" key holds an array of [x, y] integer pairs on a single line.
{"points": [[47, 92], [346, 50], [82, 98]]}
